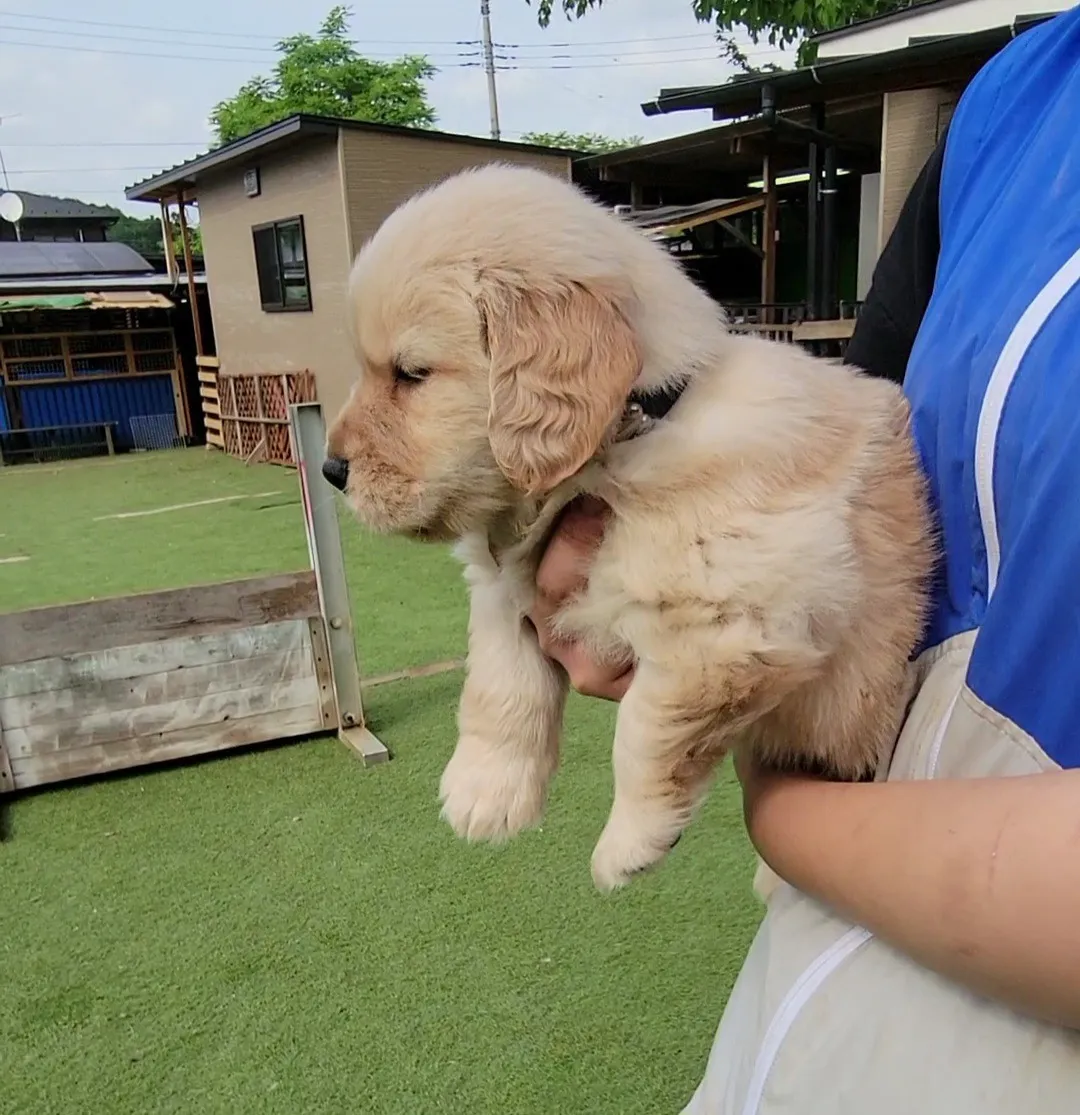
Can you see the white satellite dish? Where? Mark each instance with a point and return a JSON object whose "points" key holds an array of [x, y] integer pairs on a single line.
{"points": [[11, 207]]}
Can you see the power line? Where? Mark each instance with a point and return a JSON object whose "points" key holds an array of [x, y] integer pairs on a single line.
{"points": [[112, 143], [605, 42], [614, 65], [182, 57], [84, 169], [678, 53], [509, 62], [550, 51], [246, 36], [274, 39]]}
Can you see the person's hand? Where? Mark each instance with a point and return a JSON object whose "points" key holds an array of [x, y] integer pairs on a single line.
{"points": [[562, 573]]}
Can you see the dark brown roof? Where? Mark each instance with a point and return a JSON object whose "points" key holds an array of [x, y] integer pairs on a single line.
{"points": [[44, 205]]}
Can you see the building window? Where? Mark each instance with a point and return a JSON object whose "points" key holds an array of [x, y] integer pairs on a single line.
{"points": [[281, 265]]}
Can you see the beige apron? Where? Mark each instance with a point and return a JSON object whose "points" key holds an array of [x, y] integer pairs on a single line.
{"points": [[826, 1019]]}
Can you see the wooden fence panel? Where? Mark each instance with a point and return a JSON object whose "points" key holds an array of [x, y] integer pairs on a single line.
{"points": [[155, 616], [109, 684], [253, 409]]}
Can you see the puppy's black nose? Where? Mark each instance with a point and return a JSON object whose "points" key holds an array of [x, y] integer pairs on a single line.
{"points": [[336, 471]]}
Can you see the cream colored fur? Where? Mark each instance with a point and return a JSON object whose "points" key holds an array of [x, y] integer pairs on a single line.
{"points": [[767, 560]]}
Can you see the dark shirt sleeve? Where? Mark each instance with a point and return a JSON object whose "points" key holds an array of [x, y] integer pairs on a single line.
{"points": [[903, 281]]}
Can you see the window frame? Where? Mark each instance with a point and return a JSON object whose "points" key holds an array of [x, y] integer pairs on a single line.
{"points": [[282, 306]]}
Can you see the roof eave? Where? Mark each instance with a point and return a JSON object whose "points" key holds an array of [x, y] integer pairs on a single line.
{"points": [[185, 175], [742, 96]]}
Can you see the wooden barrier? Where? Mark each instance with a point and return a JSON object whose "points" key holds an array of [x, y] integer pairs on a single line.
{"points": [[107, 685], [100, 686]]}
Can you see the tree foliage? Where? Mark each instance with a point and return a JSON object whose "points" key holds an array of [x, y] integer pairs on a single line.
{"points": [[779, 23], [324, 75], [144, 235], [591, 142]]}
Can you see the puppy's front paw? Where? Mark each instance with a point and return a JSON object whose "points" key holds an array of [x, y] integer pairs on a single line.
{"points": [[632, 841], [491, 793]]}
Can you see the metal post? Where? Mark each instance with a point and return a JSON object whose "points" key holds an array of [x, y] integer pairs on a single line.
{"points": [[829, 262], [324, 546], [812, 237], [768, 239], [489, 68], [813, 222], [189, 267]]}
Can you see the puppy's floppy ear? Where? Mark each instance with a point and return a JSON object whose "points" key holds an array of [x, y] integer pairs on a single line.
{"points": [[563, 359]]}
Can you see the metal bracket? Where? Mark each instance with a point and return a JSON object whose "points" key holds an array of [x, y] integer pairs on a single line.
{"points": [[7, 778], [324, 547]]}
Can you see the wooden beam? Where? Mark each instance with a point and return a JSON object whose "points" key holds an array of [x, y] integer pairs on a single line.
{"points": [[835, 329], [768, 236], [156, 616], [736, 234], [189, 267], [169, 246]]}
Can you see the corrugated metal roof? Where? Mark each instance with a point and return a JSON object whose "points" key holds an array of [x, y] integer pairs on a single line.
{"points": [[44, 205], [45, 258], [670, 220], [78, 283]]}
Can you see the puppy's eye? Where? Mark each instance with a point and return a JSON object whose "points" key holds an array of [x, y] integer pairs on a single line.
{"points": [[410, 376]]}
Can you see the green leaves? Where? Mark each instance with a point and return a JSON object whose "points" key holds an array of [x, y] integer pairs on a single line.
{"points": [[144, 235], [592, 142], [324, 75], [777, 22]]}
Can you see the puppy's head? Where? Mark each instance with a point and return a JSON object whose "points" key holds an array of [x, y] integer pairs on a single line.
{"points": [[494, 320]]}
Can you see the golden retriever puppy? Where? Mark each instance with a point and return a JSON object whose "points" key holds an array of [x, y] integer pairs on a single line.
{"points": [[767, 558]]}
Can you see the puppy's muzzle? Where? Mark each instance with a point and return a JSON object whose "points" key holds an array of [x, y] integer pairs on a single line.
{"points": [[336, 472]]}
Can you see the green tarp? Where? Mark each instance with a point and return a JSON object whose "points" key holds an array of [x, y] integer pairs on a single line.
{"points": [[44, 302]]}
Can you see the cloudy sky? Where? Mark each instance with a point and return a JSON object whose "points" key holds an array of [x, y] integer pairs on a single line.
{"points": [[95, 94]]}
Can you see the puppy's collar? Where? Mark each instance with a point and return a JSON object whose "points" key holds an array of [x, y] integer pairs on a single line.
{"points": [[645, 408]]}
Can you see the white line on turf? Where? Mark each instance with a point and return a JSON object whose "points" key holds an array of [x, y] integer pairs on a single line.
{"points": [[184, 506]]}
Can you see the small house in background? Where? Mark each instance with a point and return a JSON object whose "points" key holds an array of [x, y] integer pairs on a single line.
{"points": [[93, 339], [57, 219], [283, 212]]}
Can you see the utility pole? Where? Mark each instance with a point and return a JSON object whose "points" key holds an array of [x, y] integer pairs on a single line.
{"points": [[3, 166], [489, 67]]}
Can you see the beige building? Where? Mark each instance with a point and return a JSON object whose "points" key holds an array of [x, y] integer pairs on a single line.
{"points": [[284, 211]]}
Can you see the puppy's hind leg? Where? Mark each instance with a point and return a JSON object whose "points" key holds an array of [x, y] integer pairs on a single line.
{"points": [[663, 758], [674, 727], [509, 718]]}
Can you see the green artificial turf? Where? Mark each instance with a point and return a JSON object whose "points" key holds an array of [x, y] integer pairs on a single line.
{"points": [[284, 931], [408, 599]]}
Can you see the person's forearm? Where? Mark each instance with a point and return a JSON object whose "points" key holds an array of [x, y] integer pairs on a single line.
{"points": [[978, 880]]}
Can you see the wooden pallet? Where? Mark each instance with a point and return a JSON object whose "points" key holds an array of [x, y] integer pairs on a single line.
{"points": [[253, 411]]}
